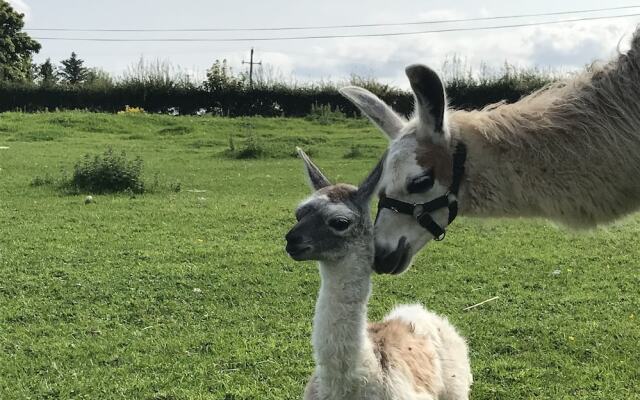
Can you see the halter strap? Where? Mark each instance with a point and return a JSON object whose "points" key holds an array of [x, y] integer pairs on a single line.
{"points": [[459, 159], [422, 212]]}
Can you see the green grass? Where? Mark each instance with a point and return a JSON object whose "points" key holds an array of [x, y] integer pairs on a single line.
{"points": [[190, 295]]}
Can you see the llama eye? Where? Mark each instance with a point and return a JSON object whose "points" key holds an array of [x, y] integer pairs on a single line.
{"points": [[339, 224], [420, 184]]}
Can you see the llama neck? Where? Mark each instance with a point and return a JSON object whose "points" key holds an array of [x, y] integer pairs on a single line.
{"points": [[342, 349], [570, 152], [519, 166]]}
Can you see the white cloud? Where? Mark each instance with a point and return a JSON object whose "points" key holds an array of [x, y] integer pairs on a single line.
{"points": [[575, 46], [558, 47], [439, 15], [562, 47], [22, 7]]}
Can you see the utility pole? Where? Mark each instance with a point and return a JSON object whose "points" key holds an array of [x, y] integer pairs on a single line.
{"points": [[251, 64]]}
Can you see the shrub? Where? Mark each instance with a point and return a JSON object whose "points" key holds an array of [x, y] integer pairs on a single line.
{"points": [[108, 173], [45, 180], [354, 152], [232, 144], [131, 110], [220, 77], [252, 148], [175, 187], [324, 114]]}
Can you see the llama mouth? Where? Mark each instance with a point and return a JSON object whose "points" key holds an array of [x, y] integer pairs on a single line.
{"points": [[403, 263], [393, 262], [297, 252]]}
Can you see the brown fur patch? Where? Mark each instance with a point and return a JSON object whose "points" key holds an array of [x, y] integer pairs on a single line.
{"points": [[438, 159], [338, 193], [397, 347]]}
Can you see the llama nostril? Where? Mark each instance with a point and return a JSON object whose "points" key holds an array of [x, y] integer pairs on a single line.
{"points": [[293, 238], [296, 246]]}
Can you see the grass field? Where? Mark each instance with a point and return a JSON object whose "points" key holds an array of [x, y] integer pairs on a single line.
{"points": [[189, 295]]}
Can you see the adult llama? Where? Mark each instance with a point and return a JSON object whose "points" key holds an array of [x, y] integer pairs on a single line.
{"points": [[569, 152]]}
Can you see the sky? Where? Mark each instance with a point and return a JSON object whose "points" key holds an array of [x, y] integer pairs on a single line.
{"points": [[561, 47]]}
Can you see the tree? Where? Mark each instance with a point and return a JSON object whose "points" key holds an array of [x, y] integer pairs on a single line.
{"points": [[73, 71], [47, 74], [98, 79], [16, 47], [220, 77]]}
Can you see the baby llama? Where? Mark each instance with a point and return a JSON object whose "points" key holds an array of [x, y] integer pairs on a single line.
{"points": [[412, 354]]}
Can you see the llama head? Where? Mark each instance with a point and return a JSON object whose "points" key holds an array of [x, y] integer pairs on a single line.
{"points": [[335, 220], [418, 166]]}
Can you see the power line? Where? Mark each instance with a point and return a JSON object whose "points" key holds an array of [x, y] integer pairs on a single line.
{"points": [[263, 39], [290, 28]]}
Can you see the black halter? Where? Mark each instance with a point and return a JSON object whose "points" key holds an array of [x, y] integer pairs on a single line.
{"points": [[422, 212]]}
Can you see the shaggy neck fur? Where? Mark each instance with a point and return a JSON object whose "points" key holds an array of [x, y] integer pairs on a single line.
{"points": [[343, 352], [569, 152]]}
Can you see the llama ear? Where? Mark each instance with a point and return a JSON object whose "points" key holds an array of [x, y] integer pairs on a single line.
{"points": [[316, 179], [431, 101], [368, 187], [376, 110]]}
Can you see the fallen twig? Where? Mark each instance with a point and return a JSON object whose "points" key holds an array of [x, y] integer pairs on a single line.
{"points": [[481, 303]]}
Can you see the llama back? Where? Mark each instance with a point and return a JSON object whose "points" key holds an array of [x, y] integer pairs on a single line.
{"points": [[452, 350], [569, 138]]}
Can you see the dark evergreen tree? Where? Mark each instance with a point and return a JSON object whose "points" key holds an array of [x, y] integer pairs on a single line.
{"points": [[73, 71], [47, 74]]}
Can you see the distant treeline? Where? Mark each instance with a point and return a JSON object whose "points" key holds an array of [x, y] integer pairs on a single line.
{"points": [[240, 102], [277, 101], [223, 93]]}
